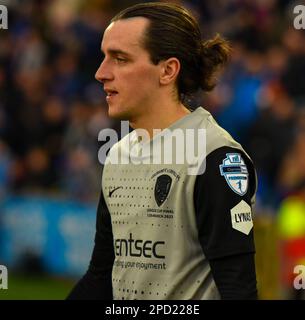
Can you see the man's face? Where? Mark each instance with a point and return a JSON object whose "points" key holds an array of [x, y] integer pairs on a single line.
{"points": [[130, 79]]}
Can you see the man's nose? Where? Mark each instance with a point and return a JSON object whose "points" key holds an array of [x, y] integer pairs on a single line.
{"points": [[103, 73]]}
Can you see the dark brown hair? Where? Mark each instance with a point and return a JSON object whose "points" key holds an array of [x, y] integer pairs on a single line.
{"points": [[174, 32]]}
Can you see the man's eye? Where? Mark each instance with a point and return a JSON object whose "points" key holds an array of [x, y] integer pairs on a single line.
{"points": [[119, 59]]}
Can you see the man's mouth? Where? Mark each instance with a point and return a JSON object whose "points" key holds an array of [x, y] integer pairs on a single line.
{"points": [[111, 93]]}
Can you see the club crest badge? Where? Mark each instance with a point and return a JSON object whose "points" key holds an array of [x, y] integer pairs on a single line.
{"points": [[235, 172], [162, 188]]}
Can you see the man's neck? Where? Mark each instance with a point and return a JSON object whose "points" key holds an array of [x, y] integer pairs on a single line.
{"points": [[161, 118]]}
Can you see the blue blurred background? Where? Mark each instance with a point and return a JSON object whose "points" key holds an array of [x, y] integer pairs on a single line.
{"points": [[51, 110]]}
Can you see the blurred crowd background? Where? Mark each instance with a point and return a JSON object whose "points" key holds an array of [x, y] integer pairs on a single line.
{"points": [[52, 108]]}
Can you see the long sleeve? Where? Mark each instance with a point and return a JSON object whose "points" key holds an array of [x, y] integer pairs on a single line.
{"points": [[224, 221], [96, 284]]}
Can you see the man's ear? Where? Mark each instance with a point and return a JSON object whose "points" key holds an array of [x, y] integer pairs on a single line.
{"points": [[169, 71]]}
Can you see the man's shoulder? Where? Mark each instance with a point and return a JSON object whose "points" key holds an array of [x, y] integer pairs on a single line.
{"points": [[216, 136]]}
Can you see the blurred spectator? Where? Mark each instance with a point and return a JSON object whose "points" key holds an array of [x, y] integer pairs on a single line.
{"points": [[270, 138], [38, 168], [239, 112], [293, 75], [292, 171], [5, 169], [81, 168]]}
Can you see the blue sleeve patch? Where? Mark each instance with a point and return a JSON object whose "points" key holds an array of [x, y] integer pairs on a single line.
{"points": [[235, 172]]}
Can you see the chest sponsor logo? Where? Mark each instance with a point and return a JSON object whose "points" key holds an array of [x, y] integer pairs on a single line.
{"points": [[139, 254], [241, 217], [235, 171], [139, 248]]}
